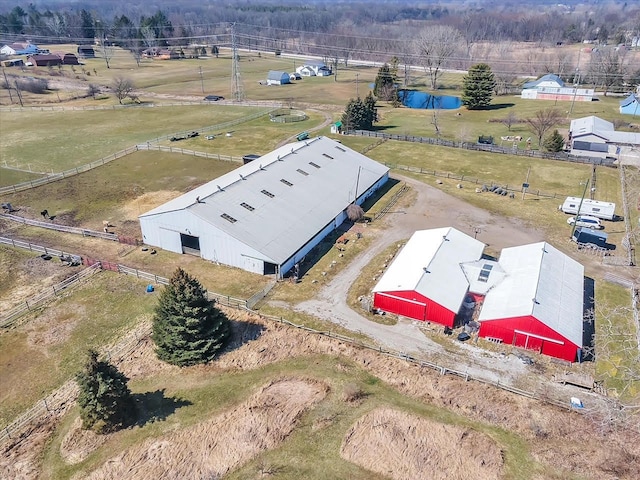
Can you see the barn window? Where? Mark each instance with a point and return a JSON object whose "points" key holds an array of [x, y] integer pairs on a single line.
{"points": [[268, 194], [247, 206], [314, 164], [302, 172], [328, 156], [229, 218], [340, 148], [484, 273], [286, 182]]}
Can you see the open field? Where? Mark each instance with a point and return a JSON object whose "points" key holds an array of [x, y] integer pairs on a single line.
{"points": [[309, 406], [183, 406]]}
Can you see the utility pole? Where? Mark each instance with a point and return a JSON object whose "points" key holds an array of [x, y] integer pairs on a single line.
{"points": [[201, 80], [19, 93], [357, 91], [584, 192]]}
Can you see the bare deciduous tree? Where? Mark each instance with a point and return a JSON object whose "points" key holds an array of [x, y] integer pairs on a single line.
{"points": [[606, 68], [436, 46], [510, 120], [542, 121], [93, 90], [122, 88]]}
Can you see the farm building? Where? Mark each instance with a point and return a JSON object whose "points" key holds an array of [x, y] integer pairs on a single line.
{"points": [[44, 60], [14, 62], [538, 302], [266, 215], [67, 58], [532, 297], [275, 77], [595, 137], [86, 51], [629, 106], [551, 87], [19, 48], [426, 280]]}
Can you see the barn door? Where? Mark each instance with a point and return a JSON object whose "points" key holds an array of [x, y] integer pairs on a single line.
{"points": [[190, 244]]}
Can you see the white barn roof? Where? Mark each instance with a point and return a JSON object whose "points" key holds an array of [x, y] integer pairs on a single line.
{"points": [[430, 264], [604, 129], [278, 202], [542, 282]]}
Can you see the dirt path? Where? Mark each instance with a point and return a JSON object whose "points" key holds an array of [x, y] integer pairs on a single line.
{"points": [[431, 209]]}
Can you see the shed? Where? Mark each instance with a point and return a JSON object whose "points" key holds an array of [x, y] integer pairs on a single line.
{"points": [[629, 106], [68, 58], [86, 51], [13, 62], [266, 215], [276, 77], [539, 303], [426, 280], [336, 127], [48, 60]]}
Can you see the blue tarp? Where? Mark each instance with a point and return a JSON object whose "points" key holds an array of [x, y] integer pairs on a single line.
{"points": [[417, 99]]}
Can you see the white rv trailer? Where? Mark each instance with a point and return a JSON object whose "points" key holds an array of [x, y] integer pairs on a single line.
{"points": [[595, 208]]}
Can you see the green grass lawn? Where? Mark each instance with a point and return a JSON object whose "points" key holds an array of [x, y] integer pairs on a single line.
{"points": [[64, 140], [97, 312], [9, 176]]}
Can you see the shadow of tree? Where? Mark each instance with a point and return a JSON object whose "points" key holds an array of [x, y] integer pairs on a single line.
{"points": [[155, 406], [497, 106], [243, 332]]}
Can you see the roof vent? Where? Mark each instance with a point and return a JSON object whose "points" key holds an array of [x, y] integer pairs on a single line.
{"points": [[426, 270], [220, 188], [535, 301], [444, 237], [261, 167], [242, 176]]}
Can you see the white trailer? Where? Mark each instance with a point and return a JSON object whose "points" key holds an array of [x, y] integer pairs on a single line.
{"points": [[595, 208]]}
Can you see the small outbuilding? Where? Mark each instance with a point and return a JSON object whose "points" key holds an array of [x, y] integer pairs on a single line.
{"points": [[426, 280], [276, 77], [86, 51], [45, 60]]}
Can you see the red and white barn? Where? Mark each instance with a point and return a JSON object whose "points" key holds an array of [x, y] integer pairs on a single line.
{"points": [[538, 301], [426, 281]]}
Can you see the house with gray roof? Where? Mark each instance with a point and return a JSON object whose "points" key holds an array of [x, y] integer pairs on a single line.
{"points": [[552, 87], [266, 215], [594, 137]]}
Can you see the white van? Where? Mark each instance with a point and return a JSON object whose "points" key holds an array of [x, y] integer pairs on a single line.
{"points": [[585, 221]]}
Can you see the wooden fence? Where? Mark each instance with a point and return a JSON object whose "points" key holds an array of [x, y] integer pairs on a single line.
{"points": [[60, 228], [10, 318], [561, 156]]}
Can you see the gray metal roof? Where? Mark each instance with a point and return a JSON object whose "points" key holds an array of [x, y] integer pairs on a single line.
{"points": [[278, 202]]}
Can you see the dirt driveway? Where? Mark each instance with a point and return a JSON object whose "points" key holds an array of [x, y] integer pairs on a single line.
{"points": [[431, 209]]}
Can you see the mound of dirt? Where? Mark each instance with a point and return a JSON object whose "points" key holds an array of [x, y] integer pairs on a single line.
{"points": [[215, 446], [78, 443], [145, 202], [403, 446]]}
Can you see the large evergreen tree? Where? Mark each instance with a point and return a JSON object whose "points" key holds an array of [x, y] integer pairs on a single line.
{"points": [[105, 399], [478, 86], [385, 85], [359, 114], [187, 327]]}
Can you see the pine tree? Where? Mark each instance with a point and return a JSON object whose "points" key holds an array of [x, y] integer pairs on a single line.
{"points": [[359, 114], [187, 327], [478, 86], [385, 85], [105, 399], [554, 142], [370, 111]]}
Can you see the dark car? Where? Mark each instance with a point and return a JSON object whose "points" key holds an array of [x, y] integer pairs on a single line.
{"points": [[213, 98]]}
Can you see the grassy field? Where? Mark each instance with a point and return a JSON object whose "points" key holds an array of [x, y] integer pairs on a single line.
{"points": [[310, 452], [96, 313]]}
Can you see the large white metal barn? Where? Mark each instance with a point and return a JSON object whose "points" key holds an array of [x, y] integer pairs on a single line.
{"points": [[265, 216]]}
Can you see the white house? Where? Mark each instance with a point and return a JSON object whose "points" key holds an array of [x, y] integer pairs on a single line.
{"points": [[305, 71], [594, 137], [552, 87], [7, 50], [319, 69], [266, 215]]}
